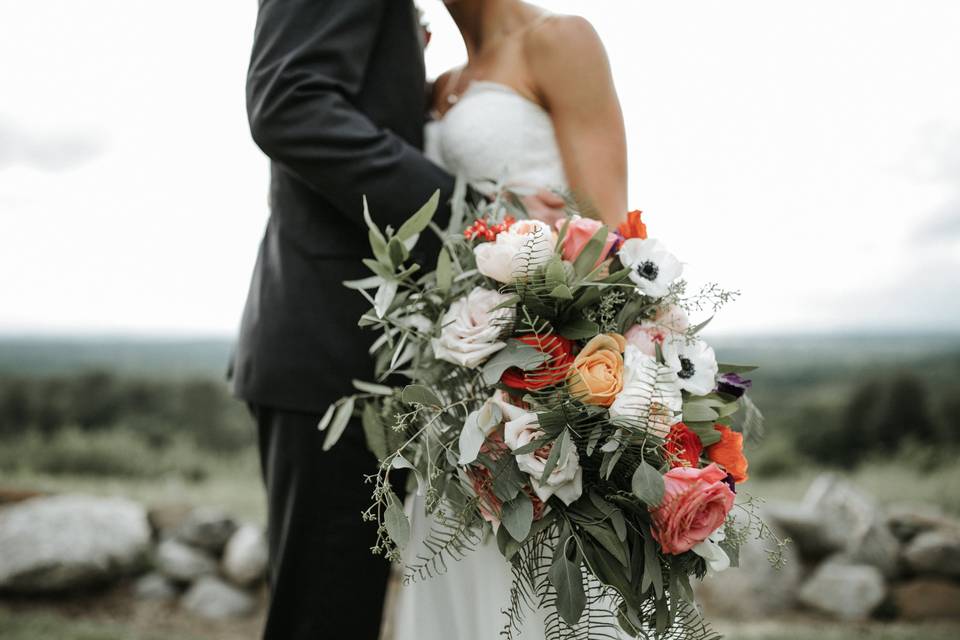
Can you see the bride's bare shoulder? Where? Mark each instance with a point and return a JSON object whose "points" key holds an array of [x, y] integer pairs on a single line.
{"points": [[563, 39]]}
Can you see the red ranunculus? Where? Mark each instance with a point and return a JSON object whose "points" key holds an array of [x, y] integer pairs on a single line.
{"points": [[683, 446], [552, 372]]}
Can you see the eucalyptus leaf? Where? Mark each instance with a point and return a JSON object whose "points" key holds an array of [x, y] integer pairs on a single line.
{"points": [[398, 526], [561, 292], [419, 221], [698, 413], [579, 329], [369, 387], [515, 354], [339, 423], [566, 576], [420, 394], [471, 439], [374, 431], [647, 484], [444, 270], [517, 516], [399, 462]]}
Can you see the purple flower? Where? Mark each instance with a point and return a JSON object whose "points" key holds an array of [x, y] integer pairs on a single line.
{"points": [[733, 384]]}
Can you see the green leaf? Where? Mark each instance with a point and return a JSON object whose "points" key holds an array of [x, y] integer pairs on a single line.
{"points": [[419, 221], [594, 438], [698, 413], [705, 431], [566, 576], [736, 368], [508, 480], [444, 270], [515, 354], [647, 484], [587, 260], [579, 329], [606, 568], [609, 540], [532, 446], [697, 329], [559, 449], [419, 394], [398, 527], [369, 387], [652, 573], [397, 252], [327, 416], [384, 298], [555, 273], [377, 242], [472, 438], [561, 292], [384, 272], [365, 283], [517, 516], [339, 423], [374, 431]]}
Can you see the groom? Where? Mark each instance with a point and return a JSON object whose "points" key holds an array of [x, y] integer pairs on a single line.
{"points": [[335, 97]]}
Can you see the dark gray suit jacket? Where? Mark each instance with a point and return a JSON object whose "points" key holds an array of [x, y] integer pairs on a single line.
{"points": [[335, 97]]}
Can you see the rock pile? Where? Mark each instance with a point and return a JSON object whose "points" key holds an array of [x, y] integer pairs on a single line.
{"points": [[201, 557], [852, 560]]}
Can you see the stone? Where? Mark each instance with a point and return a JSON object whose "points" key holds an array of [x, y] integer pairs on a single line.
{"points": [[756, 588], [165, 519], [805, 527], [208, 528], [855, 521], [183, 563], [934, 552], [844, 591], [927, 599], [69, 541], [155, 586], [906, 520], [245, 556], [210, 597]]}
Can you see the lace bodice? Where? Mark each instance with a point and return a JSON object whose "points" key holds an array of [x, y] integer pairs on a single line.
{"points": [[494, 135]]}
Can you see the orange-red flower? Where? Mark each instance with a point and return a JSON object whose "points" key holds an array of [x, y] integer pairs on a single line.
{"points": [[549, 373], [683, 446], [633, 227], [728, 453]]}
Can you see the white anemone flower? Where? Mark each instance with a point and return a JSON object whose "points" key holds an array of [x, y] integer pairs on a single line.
{"points": [[652, 268], [698, 367]]}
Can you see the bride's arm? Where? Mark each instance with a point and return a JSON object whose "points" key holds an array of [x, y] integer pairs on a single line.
{"points": [[570, 70]]}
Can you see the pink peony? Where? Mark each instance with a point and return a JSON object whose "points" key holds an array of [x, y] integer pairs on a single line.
{"points": [[665, 329], [578, 235], [695, 504]]}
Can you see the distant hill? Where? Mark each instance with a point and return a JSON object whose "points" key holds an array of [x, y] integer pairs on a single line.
{"points": [[141, 357], [208, 357]]}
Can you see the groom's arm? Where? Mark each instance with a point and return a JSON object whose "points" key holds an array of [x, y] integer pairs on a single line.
{"points": [[308, 63]]}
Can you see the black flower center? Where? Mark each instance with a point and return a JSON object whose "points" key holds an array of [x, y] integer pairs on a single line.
{"points": [[686, 369], [648, 270]]}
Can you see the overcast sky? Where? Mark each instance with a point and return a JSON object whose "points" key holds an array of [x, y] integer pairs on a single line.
{"points": [[804, 152]]}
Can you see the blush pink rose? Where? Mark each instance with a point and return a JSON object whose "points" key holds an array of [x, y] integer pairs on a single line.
{"points": [[695, 504], [578, 235]]}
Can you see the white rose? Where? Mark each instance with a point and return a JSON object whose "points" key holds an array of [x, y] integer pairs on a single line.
{"points": [[566, 479], [527, 243], [470, 329], [651, 392]]}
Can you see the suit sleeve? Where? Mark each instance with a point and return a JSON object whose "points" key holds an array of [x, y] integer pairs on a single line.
{"points": [[308, 63]]}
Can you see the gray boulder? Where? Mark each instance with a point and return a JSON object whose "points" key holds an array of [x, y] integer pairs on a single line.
{"points": [[155, 586], [69, 541], [844, 591], [805, 527], [934, 552], [927, 599], [208, 528], [183, 563], [212, 598], [245, 556]]}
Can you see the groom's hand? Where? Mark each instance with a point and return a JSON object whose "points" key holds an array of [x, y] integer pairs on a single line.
{"points": [[545, 206]]}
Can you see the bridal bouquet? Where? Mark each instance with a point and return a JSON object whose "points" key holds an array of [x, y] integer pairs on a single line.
{"points": [[554, 394]]}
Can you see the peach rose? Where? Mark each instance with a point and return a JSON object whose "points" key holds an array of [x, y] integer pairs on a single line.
{"points": [[597, 373], [578, 235], [695, 504], [728, 453]]}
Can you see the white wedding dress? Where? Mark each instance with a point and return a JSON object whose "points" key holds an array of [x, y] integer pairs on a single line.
{"points": [[492, 135]]}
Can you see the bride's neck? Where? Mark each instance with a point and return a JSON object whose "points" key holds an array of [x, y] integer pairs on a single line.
{"points": [[484, 23]]}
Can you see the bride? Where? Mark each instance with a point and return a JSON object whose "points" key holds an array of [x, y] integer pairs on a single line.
{"points": [[534, 108]]}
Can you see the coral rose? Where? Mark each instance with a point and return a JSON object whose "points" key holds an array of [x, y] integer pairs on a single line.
{"points": [[633, 227], [552, 372], [579, 232], [728, 453], [597, 373], [695, 504], [683, 446]]}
